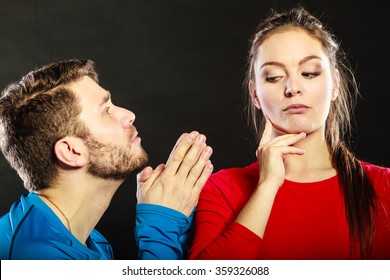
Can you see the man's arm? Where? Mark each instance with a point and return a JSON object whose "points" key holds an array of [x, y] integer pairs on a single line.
{"points": [[177, 184], [167, 197]]}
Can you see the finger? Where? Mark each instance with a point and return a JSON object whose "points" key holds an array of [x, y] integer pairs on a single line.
{"points": [[144, 186], [192, 157], [267, 132], [195, 133], [266, 136], [195, 172], [207, 171], [144, 175], [156, 172], [197, 188], [272, 151], [178, 154], [289, 150], [288, 139]]}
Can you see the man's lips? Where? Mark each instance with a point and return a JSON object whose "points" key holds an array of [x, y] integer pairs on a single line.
{"points": [[135, 138], [296, 109]]}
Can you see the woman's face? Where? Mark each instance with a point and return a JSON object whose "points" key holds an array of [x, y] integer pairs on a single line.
{"points": [[293, 83]]}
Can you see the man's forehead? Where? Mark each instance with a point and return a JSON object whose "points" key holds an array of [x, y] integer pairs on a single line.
{"points": [[87, 88]]}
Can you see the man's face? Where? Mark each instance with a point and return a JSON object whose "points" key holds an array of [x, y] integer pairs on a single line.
{"points": [[115, 150]]}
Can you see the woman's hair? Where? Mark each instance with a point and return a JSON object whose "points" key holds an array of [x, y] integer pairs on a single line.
{"points": [[37, 111], [359, 195]]}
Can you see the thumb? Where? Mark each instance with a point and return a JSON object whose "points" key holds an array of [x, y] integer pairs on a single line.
{"points": [[144, 175]]}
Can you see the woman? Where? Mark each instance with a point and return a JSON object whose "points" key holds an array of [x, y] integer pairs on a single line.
{"points": [[307, 196]]}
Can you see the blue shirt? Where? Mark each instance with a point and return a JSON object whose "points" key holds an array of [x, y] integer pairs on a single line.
{"points": [[31, 230], [161, 233]]}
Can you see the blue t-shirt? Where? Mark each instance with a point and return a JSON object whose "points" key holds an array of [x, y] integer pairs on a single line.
{"points": [[31, 230], [161, 233]]}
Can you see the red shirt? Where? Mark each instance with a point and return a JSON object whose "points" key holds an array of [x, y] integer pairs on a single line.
{"points": [[307, 221]]}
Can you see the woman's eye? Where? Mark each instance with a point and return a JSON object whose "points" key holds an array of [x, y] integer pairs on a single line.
{"points": [[107, 110], [310, 75], [273, 79]]}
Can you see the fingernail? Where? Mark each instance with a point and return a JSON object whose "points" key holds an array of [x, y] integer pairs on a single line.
{"points": [[201, 138], [191, 137], [207, 150]]}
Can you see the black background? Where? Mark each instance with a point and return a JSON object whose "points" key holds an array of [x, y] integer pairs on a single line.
{"points": [[179, 65]]}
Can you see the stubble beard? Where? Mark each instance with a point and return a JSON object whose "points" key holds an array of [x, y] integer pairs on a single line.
{"points": [[113, 162]]}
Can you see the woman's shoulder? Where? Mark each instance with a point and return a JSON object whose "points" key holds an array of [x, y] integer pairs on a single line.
{"points": [[378, 175], [235, 176], [234, 184], [249, 169], [374, 170]]}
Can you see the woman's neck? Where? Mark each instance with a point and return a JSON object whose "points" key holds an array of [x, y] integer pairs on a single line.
{"points": [[314, 165]]}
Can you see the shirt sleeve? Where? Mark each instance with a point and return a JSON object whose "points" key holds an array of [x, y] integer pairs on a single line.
{"points": [[216, 234], [161, 233]]}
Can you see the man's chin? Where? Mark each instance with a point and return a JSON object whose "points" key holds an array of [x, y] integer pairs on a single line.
{"points": [[142, 162], [135, 166], [139, 163]]}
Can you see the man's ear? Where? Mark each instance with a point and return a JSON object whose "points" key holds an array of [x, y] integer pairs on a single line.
{"points": [[71, 151], [252, 91]]}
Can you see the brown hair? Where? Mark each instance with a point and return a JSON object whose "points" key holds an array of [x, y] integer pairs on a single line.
{"points": [[37, 111], [359, 195]]}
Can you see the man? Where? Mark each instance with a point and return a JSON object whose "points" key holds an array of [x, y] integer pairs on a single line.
{"points": [[73, 148]]}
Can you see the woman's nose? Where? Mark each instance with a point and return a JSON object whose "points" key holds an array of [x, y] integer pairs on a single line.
{"points": [[292, 89]]}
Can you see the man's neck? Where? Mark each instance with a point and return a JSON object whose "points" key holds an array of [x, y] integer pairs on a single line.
{"points": [[80, 205]]}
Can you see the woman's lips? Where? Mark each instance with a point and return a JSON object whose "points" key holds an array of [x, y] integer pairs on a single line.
{"points": [[296, 109]]}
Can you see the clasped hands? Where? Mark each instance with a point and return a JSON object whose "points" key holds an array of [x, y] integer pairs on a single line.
{"points": [[178, 183]]}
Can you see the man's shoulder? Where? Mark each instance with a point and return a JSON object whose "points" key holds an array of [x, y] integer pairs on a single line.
{"points": [[38, 236], [10, 221]]}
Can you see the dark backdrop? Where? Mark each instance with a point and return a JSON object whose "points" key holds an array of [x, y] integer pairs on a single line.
{"points": [[178, 65]]}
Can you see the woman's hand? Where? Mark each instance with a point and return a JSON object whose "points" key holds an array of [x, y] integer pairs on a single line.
{"points": [[271, 153]]}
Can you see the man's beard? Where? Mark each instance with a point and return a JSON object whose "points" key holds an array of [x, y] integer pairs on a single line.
{"points": [[113, 162]]}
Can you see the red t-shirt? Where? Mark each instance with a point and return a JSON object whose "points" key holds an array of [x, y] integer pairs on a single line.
{"points": [[307, 220]]}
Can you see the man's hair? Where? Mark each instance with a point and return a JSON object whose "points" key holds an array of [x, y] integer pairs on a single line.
{"points": [[37, 111]]}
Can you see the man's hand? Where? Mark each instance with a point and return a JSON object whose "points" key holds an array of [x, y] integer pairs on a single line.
{"points": [[177, 184]]}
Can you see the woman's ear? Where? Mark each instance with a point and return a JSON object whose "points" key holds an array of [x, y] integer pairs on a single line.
{"points": [[71, 151], [253, 93]]}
